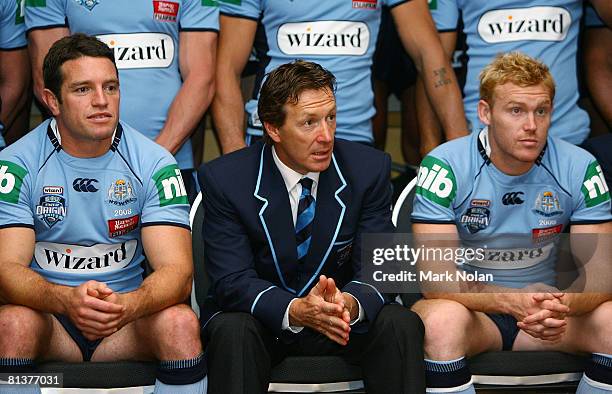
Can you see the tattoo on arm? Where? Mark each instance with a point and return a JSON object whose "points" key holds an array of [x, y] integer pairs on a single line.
{"points": [[441, 77]]}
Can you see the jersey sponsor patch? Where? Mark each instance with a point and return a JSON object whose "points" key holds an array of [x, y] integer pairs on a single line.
{"points": [[346, 38], [89, 4], [235, 2], [507, 259], [547, 204], [36, 3], [11, 180], [20, 13], [545, 234], [120, 193], [77, 259], [165, 11], [51, 207], [594, 187], [433, 4], [436, 181], [117, 227], [210, 3], [367, 4], [140, 50], [85, 185], [518, 24], [170, 186]]}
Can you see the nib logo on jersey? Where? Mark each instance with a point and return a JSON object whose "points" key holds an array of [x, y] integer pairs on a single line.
{"points": [[140, 50], [517, 24], [97, 258], [51, 208], [349, 38], [120, 193]]}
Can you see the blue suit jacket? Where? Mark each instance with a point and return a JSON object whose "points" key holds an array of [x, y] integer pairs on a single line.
{"points": [[249, 237]]}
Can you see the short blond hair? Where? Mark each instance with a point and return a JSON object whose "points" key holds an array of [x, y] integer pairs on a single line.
{"points": [[516, 68]]}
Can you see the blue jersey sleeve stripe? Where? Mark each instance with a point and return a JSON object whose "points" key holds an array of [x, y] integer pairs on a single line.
{"points": [[396, 4], [203, 29], [175, 224], [239, 16], [578, 222], [45, 27], [428, 221], [17, 225], [14, 48]]}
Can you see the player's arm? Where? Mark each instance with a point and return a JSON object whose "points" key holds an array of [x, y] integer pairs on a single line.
{"points": [[14, 83], [197, 52], [168, 250], [592, 249], [39, 42], [418, 34], [430, 132], [478, 296], [236, 38], [598, 68]]}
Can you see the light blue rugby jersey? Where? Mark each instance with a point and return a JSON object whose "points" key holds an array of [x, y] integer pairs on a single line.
{"points": [[544, 29], [12, 31], [88, 213], [338, 34], [145, 37], [515, 216]]}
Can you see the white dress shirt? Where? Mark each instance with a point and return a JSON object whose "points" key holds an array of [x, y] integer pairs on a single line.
{"points": [[294, 188]]}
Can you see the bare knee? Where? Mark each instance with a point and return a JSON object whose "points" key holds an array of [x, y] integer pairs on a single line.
{"points": [[22, 329], [602, 330], [446, 324], [177, 332]]}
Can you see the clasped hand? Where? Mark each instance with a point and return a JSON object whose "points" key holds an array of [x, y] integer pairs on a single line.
{"points": [[325, 309], [96, 310], [543, 314]]}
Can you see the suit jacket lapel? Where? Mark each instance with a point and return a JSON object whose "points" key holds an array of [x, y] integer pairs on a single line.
{"points": [[276, 218], [329, 213]]}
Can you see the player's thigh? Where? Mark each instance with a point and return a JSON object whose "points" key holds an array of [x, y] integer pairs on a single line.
{"points": [[30, 333], [588, 333], [172, 333]]}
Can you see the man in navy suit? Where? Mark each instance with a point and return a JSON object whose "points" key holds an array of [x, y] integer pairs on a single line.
{"points": [[283, 228]]}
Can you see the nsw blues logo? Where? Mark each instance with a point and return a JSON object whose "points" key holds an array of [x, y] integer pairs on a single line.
{"points": [[51, 208], [89, 4], [120, 193], [547, 204]]}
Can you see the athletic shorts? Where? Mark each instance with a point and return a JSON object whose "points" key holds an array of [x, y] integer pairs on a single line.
{"points": [[86, 346], [506, 324]]}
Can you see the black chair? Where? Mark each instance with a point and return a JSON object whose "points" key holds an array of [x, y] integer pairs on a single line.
{"points": [[293, 374], [532, 371]]}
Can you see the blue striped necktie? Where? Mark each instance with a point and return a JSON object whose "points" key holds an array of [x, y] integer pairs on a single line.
{"points": [[305, 216]]}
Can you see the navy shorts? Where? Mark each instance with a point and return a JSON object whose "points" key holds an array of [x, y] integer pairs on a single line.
{"points": [[86, 346], [506, 324]]}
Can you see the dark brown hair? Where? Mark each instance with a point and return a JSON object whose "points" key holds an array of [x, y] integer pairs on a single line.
{"points": [[70, 48], [284, 86]]}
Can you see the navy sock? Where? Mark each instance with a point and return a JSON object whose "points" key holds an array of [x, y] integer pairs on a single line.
{"points": [[448, 376]]}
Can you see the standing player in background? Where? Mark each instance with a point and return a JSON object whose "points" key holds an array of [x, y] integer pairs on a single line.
{"points": [[341, 36], [543, 29], [15, 93], [165, 53], [597, 63]]}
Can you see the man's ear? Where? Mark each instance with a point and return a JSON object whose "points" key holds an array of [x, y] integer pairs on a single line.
{"points": [[484, 112], [51, 101], [272, 131]]}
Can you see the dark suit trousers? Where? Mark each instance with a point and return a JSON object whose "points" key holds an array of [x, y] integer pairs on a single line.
{"points": [[241, 352]]}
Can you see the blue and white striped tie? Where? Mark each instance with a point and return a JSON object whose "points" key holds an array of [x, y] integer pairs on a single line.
{"points": [[305, 216]]}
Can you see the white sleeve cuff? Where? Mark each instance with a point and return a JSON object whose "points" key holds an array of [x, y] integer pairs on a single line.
{"points": [[293, 329], [361, 316]]}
